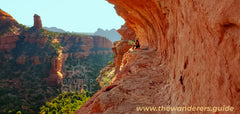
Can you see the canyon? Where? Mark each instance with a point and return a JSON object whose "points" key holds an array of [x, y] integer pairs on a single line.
{"points": [[35, 62], [189, 56]]}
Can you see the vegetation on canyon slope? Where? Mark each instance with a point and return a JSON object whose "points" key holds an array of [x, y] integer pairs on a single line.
{"points": [[23, 88], [65, 103]]}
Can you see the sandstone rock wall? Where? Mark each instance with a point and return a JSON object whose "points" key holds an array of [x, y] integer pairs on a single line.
{"points": [[189, 56]]}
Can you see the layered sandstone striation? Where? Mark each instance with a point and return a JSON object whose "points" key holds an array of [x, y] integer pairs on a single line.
{"points": [[189, 56]]}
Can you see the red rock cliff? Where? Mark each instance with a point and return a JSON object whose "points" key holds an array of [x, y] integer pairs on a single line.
{"points": [[7, 39], [189, 56], [5, 17]]}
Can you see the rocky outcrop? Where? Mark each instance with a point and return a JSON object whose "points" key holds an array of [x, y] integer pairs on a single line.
{"points": [[55, 72], [189, 56], [5, 17], [37, 22], [127, 33], [122, 46], [119, 48], [7, 39], [56, 75], [8, 42]]}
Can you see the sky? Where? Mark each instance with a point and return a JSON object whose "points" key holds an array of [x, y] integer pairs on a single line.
{"points": [[69, 15]]}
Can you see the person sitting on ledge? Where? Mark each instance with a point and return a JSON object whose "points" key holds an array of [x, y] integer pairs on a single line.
{"points": [[137, 45]]}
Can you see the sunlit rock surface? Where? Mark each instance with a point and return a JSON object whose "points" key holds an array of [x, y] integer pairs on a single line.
{"points": [[189, 56]]}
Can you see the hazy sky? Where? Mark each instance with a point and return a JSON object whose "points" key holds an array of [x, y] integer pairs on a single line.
{"points": [[70, 15]]}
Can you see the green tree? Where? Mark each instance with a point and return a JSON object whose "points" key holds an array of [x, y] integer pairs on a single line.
{"points": [[65, 103], [19, 112]]}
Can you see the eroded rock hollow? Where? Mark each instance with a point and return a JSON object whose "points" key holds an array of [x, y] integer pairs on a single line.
{"points": [[189, 56]]}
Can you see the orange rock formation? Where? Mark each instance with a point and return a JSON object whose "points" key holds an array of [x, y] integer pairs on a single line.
{"points": [[56, 75], [189, 56], [37, 22], [127, 33], [122, 46]]}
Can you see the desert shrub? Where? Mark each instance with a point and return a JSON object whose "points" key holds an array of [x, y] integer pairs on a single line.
{"points": [[110, 62], [131, 42]]}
